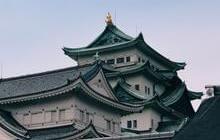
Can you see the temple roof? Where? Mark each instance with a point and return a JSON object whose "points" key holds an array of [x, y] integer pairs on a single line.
{"points": [[156, 104], [110, 35], [144, 68], [78, 85], [107, 42], [22, 85], [125, 93], [205, 125], [178, 98], [8, 123], [174, 125]]}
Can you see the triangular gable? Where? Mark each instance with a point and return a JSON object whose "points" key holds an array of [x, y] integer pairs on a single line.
{"points": [[95, 78], [101, 85], [111, 35]]}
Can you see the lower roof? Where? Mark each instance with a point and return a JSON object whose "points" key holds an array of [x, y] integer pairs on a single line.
{"points": [[64, 133], [205, 125], [9, 124]]}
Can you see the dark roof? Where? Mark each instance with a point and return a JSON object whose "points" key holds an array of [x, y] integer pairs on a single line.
{"points": [[110, 35], [8, 123], [78, 85], [205, 125], [137, 42], [24, 85], [174, 125], [178, 99], [125, 93]]}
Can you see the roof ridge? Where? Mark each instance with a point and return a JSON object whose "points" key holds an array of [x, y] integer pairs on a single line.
{"points": [[42, 73]]}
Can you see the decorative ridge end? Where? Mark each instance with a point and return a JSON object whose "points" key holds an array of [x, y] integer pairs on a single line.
{"points": [[109, 19]]}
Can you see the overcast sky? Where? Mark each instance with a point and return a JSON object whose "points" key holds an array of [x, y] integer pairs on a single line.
{"points": [[32, 33]]}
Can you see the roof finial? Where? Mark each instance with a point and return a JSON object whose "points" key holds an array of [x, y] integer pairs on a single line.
{"points": [[96, 56], [108, 19]]}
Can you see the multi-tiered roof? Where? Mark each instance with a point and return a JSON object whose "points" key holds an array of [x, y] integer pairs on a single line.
{"points": [[174, 101]]}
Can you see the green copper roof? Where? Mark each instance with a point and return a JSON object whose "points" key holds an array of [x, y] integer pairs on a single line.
{"points": [[107, 42], [125, 93], [174, 125], [110, 35]]}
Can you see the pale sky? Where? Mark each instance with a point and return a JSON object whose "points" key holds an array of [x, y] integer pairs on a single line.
{"points": [[33, 32]]}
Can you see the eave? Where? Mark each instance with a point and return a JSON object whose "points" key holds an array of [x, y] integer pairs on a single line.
{"points": [[112, 29], [137, 42], [194, 95], [89, 129], [80, 85], [162, 108], [130, 91], [8, 124], [141, 68]]}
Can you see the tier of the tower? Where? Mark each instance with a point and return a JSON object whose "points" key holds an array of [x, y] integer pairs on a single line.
{"points": [[120, 50]]}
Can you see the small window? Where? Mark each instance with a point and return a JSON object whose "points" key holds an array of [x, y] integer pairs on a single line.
{"points": [[113, 126], [120, 60], [137, 87], [152, 123], [108, 124], [148, 90], [139, 59], [129, 124], [134, 123], [53, 116], [81, 115], [62, 114], [111, 61], [26, 118], [128, 59], [36, 117], [87, 117]]}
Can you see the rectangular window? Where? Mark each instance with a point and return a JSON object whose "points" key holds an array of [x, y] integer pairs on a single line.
{"points": [[108, 124], [62, 114], [148, 90], [68, 114], [81, 115], [36, 118], [87, 117], [120, 60], [137, 87], [26, 119], [128, 59], [111, 61], [129, 123], [113, 126], [50, 116], [139, 59], [53, 116], [134, 123], [152, 123]]}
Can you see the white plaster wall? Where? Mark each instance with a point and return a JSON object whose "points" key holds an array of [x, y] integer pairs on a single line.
{"points": [[75, 103], [111, 55], [152, 61], [99, 85], [140, 80], [133, 52], [144, 120]]}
